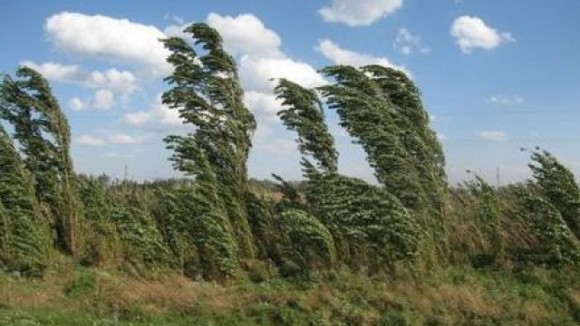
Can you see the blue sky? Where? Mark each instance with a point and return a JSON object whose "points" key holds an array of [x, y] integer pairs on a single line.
{"points": [[495, 75]]}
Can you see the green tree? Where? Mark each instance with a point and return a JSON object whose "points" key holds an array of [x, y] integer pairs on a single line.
{"points": [[369, 225], [43, 134], [484, 212], [206, 92], [558, 185], [555, 243], [381, 109], [24, 235], [304, 114], [309, 242]]}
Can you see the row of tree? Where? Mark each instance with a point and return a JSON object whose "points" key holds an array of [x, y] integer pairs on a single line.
{"points": [[215, 222]]}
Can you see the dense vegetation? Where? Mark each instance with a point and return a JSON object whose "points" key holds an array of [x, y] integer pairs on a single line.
{"points": [[363, 253]]}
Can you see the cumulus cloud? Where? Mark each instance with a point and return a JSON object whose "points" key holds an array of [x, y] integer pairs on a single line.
{"points": [[76, 104], [256, 73], [472, 33], [261, 61], [341, 56], [118, 81], [102, 36], [407, 43], [159, 117], [116, 139], [263, 104], [103, 99], [498, 136], [89, 141], [246, 34], [358, 12], [54, 71], [506, 100], [124, 139], [123, 82]]}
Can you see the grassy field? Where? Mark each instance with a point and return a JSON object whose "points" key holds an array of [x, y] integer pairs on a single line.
{"points": [[449, 296]]}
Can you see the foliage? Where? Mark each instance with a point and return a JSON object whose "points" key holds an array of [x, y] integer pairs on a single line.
{"points": [[43, 135], [218, 225], [305, 115], [558, 185], [205, 226], [206, 92], [381, 109], [24, 235], [481, 207], [310, 242], [556, 245], [370, 226]]}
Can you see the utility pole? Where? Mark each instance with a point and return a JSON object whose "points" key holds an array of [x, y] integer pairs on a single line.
{"points": [[497, 179]]}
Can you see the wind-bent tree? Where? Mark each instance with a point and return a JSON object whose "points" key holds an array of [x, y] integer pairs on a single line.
{"points": [[370, 226], [482, 205], [305, 115], [381, 109], [24, 234], [558, 185], [206, 92], [43, 135], [309, 242], [555, 244]]}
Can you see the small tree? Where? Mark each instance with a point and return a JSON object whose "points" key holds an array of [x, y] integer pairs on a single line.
{"points": [[24, 234], [206, 92], [558, 185], [555, 243], [369, 225], [310, 243], [43, 134], [381, 109]]}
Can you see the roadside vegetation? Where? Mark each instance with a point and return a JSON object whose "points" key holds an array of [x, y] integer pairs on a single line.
{"points": [[219, 248]]}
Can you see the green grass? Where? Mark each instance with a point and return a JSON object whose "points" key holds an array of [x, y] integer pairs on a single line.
{"points": [[458, 295]]}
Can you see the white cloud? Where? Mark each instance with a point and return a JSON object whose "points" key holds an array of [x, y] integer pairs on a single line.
{"points": [[177, 31], [506, 100], [498, 136], [261, 61], [407, 43], [338, 55], [54, 71], [125, 139], [472, 33], [90, 141], [256, 72], [120, 82], [117, 139], [117, 39], [246, 34], [358, 12], [263, 104], [159, 117], [123, 82], [76, 104], [103, 99], [277, 146]]}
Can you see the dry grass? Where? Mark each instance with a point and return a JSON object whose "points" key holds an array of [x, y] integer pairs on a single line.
{"points": [[160, 295], [348, 297]]}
